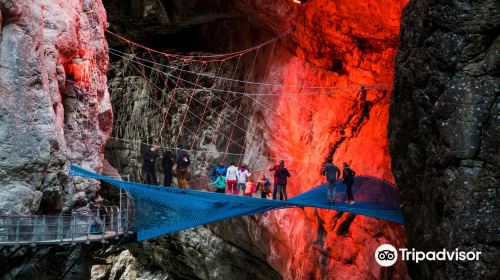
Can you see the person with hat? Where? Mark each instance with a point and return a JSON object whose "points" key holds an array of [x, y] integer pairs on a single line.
{"points": [[243, 175]]}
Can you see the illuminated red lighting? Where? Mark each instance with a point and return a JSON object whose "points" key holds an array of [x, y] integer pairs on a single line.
{"points": [[79, 70]]}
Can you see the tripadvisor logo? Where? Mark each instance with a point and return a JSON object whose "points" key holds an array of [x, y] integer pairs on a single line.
{"points": [[387, 255]]}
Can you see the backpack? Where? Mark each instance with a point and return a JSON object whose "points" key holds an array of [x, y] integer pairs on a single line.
{"points": [[95, 228], [183, 160]]}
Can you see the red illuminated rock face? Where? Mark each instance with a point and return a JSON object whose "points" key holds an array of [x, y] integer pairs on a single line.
{"points": [[343, 43], [55, 108], [334, 43]]}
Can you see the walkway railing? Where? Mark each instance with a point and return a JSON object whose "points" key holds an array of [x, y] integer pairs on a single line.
{"points": [[112, 222]]}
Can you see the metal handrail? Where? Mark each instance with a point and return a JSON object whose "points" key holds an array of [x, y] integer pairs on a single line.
{"points": [[60, 229]]}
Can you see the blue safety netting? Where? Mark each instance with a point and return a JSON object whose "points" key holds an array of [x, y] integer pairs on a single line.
{"points": [[159, 210]]}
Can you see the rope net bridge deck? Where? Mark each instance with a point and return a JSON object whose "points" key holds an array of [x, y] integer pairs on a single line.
{"points": [[162, 210]]}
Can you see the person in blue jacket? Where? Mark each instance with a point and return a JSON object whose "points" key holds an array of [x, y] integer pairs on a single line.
{"points": [[219, 168]]}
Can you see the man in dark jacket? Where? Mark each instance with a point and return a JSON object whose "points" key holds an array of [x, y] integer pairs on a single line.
{"points": [[182, 161], [281, 175], [149, 165], [275, 168], [167, 163], [332, 172], [348, 176]]}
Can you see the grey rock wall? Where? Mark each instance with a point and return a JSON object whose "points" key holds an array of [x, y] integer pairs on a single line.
{"points": [[161, 106], [55, 106], [444, 133], [54, 111]]}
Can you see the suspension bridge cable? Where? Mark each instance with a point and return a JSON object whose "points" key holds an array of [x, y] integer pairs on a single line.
{"points": [[381, 85], [189, 150], [191, 132], [205, 108], [256, 94], [187, 108], [239, 113], [224, 103], [221, 56], [241, 100], [264, 78], [369, 87], [171, 96], [210, 89]]}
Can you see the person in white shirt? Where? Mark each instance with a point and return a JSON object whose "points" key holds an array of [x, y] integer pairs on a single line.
{"points": [[232, 179], [243, 174]]}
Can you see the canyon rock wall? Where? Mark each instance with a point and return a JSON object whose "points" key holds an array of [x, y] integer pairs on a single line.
{"points": [[345, 43], [334, 44], [444, 131], [54, 110]]}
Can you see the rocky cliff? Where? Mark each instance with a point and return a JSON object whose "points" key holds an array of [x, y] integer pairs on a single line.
{"points": [[444, 131], [55, 107], [55, 110], [332, 44]]}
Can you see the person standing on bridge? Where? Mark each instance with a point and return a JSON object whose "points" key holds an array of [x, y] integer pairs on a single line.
{"points": [[182, 161], [332, 172], [243, 175], [348, 176], [282, 175], [149, 165], [220, 183], [220, 168], [275, 168], [232, 179], [167, 163], [264, 184]]}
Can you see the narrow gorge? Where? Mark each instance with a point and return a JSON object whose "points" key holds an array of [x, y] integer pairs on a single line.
{"points": [[402, 91]]}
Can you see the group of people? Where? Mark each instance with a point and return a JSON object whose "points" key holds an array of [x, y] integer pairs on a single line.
{"points": [[180, 162], [332, 173], [234, 180]]}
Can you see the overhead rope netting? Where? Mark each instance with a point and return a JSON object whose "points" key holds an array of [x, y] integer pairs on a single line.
{"points": [[203, 102], [161, 210]]}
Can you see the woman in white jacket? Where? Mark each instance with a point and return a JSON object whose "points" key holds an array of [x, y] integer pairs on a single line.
{"points": [[232, 179], [243, 174]]}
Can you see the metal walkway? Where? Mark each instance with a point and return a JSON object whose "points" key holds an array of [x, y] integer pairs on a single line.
{"points": [[112, 222]]}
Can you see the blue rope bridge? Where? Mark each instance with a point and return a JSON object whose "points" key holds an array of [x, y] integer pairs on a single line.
{"points": [[162, 210]]}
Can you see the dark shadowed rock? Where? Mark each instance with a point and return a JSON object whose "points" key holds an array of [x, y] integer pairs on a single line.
{"points": [[444, 133]]}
